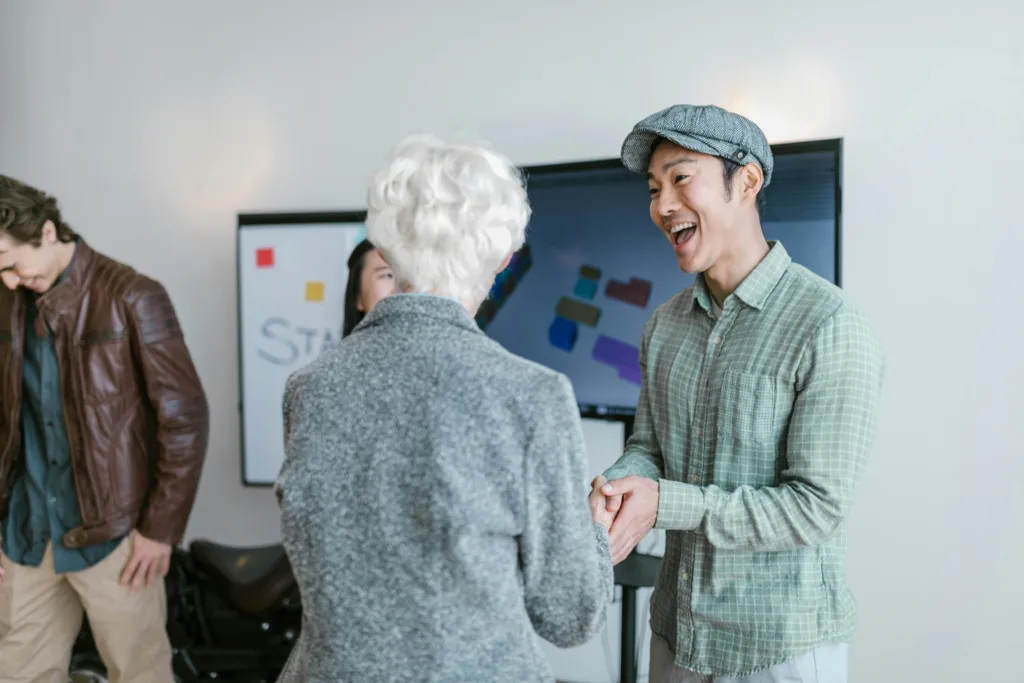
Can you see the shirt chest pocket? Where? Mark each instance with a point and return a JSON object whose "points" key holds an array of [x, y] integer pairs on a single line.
{"points": [[752, 414]]}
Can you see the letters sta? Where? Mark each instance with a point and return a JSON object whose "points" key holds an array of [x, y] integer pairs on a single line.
{"points": [[283, 343]]}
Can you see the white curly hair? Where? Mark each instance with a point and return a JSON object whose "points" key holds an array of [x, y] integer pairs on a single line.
{"points": [[445, 215]]}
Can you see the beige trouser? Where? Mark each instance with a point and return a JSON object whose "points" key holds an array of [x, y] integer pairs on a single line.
{"points": [[826, 664], [41, 614]]}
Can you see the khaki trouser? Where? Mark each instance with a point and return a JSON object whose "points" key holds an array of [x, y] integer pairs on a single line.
{"points": [[41, 614], [826, 664]]}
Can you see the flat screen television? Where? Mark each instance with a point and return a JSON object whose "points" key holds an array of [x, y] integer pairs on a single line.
{"points": [[594, 267]]}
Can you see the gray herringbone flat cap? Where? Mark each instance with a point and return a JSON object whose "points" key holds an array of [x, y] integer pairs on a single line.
{"points": [[706, 129]]}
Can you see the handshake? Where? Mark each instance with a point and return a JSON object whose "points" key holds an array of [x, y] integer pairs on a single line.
{"points": [[627, 508]]}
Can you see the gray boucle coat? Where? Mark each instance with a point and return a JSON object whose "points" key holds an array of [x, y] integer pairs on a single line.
{"points": [[434, 506]]}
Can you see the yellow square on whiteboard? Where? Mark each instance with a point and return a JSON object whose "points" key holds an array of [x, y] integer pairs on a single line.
{"points": [[314, 291]]}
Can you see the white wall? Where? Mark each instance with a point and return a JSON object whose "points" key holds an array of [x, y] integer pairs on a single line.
{"points": [[155, 122]]}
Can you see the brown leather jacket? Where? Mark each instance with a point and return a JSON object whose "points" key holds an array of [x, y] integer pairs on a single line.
{"points": [[136, 414]]}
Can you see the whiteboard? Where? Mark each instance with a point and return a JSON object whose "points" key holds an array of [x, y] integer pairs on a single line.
{"points": [[291, 303]]}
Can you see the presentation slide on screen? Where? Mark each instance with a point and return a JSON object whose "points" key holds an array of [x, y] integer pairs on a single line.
{"points": [[576, 297]]}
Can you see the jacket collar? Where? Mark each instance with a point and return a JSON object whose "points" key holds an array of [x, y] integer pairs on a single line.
{"points": [[416, 309], [70, 286], [756, 287]]}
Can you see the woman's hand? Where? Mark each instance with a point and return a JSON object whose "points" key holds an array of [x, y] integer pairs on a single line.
{"points": [[603, 508]]}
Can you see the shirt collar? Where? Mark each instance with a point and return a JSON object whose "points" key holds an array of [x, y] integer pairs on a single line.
{"points": [[74, 255], [756, 287]]}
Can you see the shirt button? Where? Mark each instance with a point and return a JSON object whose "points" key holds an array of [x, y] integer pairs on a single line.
{"points": [[685, 576], [694, 478], [718, 339], [696, 431]]}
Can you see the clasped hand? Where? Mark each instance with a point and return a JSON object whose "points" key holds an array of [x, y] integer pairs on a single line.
{"points": [[630, 507]]}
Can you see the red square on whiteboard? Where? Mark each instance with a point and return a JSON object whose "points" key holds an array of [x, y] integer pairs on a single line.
{"points": [[264, 257]]}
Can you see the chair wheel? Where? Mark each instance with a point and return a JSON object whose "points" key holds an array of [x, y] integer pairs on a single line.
{"points": [[87, 672]]}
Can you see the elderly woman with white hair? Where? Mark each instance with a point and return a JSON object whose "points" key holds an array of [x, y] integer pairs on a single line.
{"points": [[433, 491]]}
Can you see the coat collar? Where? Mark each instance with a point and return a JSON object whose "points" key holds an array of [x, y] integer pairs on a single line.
{"points": [[417, 308], [70, 286]]}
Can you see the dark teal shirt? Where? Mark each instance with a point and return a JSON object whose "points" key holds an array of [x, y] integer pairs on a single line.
{"points": [[44, 503]]}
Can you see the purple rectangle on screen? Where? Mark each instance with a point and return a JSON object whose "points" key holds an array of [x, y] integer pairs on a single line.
{"points": [[619, 354], [631, 375]]}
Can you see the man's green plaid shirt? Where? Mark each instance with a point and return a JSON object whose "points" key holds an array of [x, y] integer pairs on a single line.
{"points": [[758, 424]]}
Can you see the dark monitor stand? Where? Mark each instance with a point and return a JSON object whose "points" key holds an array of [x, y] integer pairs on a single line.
{"points": [[635, 572]]}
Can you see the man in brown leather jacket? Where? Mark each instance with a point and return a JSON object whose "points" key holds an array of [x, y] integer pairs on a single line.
{"points": [[103, 432]]}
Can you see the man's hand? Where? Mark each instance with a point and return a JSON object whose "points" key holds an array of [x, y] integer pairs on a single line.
{"points": [[636, 515], [603, 508], [149, 558]]}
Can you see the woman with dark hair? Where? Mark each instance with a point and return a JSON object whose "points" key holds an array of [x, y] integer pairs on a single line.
{"points": [[369, 280]]}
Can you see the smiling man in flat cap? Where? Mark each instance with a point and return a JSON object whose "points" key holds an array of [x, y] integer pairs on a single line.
{"points": [[761, 386]]}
